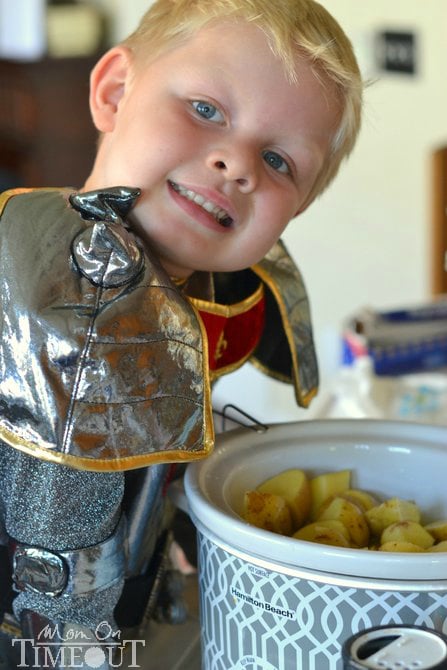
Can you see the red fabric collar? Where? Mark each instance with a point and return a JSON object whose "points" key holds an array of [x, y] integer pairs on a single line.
{"points": [[233, 331]]}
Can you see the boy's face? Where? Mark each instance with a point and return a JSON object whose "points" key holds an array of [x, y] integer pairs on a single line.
{"points": [[223, 147]]}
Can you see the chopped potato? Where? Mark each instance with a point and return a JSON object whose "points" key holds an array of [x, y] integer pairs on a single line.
{"points": [[394, 509], [327, 510], [405, 547], [294, 487], [326, 486], [438, 529], [363, 499], [439, 546], [324, 532], [351, 515], [268, 511], [407, 531]]}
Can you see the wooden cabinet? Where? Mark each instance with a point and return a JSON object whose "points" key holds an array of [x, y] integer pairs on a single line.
{"points": [[439, 209], [47, 137]]}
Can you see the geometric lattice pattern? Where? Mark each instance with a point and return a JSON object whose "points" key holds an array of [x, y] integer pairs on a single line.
{"points": [[257, 619]]}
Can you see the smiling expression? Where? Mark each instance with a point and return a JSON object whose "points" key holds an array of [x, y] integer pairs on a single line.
{"points": [[224, 148]]}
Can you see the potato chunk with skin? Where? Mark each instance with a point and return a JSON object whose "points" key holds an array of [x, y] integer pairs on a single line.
{"points": [[438, 529], [331, 532], [407, 531], [350, 515], [327, 486], [363, 499], [293, 486], [390, 511], [268, 511]]}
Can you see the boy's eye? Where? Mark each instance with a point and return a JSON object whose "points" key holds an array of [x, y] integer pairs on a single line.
{"points": [[208, 111], [276, 161]]}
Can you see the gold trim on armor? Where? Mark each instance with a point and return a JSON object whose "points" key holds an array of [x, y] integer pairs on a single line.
{"points": [[7, 195], [179, 281], [103, 464], [267, 371], [208, 423], [229, 310]]}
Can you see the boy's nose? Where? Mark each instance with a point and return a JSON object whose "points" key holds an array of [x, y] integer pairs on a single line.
{"points": [[238, 166]]}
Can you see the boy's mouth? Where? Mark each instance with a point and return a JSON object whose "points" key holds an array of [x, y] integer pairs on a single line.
{"points": [[217, 212]]}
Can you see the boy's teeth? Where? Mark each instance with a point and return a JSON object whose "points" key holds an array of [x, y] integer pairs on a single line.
{"points": [[219, 214], [198, 199]]}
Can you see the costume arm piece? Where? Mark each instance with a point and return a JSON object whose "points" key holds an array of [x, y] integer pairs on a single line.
{"points": [[67, 543]]}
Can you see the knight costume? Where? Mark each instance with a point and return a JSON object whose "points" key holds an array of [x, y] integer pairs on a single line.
{"points": [[106, 373]]}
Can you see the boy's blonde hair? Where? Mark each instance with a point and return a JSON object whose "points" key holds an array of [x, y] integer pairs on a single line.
{"points": [[292, 27]]}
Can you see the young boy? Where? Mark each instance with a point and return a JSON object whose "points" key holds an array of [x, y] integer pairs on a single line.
{"points": [[219, 122]]}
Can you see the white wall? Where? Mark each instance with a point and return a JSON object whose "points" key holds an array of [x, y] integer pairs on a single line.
{"points": [[367, 240]]}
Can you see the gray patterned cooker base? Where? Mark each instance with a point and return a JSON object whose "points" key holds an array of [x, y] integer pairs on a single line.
{"points": [[257, 618]]}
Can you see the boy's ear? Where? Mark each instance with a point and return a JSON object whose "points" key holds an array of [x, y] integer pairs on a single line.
{"points": [[107, 86]]}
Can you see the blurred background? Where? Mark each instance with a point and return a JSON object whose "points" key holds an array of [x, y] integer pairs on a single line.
{"points": [[374, 240]]}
